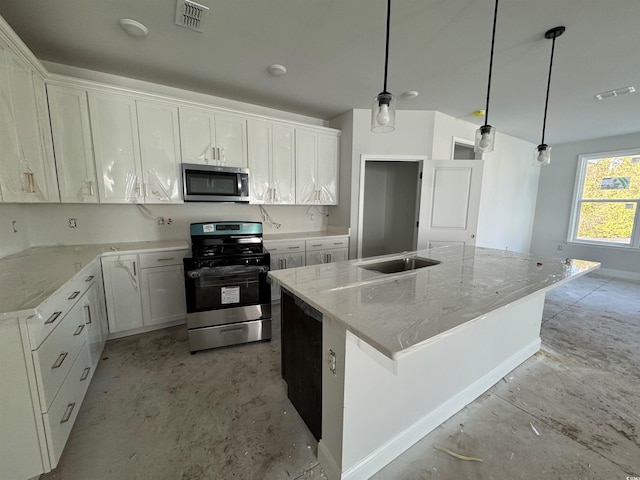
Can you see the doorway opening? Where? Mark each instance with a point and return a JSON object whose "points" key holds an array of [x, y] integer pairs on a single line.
{"points": [[389, 204]]}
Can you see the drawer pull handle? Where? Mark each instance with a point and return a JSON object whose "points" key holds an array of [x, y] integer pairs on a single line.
{"points": [[134, 269], [68, 412], [53, 318], [165, 259], [73, 295], [85, 374], [78, 330], [317, 245], [88, 309], [231, 329], [89, 278], [291, 248], [60, 359], [337, 243]]}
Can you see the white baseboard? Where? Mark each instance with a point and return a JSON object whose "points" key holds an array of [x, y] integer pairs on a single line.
{"points": [[610, 272], [389, 451], [329, 465]]}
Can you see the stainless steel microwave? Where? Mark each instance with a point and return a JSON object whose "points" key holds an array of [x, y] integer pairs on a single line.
{"points": [[212, 183]]}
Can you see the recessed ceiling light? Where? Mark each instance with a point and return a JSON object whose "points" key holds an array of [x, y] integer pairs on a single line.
{"points": [[410, 95], [276, 69], [133, 28]]}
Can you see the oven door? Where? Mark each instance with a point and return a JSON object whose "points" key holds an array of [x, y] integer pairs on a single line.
{"points": [[220, 294]]}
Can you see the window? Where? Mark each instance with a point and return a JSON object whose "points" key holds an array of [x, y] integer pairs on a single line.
{"points": [[606, 203]]}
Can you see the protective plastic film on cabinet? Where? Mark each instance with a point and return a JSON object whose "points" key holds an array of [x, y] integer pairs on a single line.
{"points": [[157, 187]]}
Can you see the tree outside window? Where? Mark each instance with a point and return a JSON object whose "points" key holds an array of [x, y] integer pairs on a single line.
{"points": [[606, 204]]}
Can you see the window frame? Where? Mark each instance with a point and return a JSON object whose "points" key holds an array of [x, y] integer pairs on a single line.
{"points": [[576, 204]]}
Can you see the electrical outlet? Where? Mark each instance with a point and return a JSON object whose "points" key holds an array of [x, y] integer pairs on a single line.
{"points": [[73, 223]]}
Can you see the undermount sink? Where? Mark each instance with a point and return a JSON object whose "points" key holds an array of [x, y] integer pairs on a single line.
{"points": [[400, 264]]}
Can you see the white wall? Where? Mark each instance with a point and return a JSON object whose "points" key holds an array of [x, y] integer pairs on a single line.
{"points": [[509, 183], [555, 195], [10, 241], [413, 136], [508, 198], [48, 223]]}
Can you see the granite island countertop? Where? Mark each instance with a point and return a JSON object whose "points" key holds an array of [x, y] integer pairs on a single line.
{"points": [[31, 276], [400, 312]]}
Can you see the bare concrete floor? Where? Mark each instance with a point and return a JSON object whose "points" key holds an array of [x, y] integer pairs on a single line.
{"points": [[153, 411]]}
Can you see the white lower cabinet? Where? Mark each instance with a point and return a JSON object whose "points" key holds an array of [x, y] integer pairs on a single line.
{"points": [[162, 282], [46, 359], [95, 318], [327, 251], [144, 290], [60, 417], [122, 292]]}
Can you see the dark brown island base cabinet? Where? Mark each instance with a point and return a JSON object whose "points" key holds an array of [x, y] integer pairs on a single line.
{"points": [[302, 359]]}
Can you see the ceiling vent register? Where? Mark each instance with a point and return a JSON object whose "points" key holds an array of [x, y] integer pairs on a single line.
{"points": [[191, 15]]}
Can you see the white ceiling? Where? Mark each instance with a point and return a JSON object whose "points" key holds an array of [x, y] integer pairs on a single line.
{"points": [[334, 53]]}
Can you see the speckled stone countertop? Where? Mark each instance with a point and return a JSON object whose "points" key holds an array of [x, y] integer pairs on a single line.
{"points": [[273, 237], [396, 313], [30, 277]]}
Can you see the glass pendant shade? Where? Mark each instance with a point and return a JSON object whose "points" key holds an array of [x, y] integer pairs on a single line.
{"points": [[542, 155], [485, 139], [383, 113]]}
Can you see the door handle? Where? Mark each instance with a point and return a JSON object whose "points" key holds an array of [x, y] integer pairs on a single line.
{"points": [[53, 318], [68, 412], [59, 360]]}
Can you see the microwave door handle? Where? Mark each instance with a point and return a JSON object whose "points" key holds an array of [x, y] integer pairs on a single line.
{"points": [[239, 177]]}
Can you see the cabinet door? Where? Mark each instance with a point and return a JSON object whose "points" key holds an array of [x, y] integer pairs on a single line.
{"points": [[159, 151], [259, 147], [25, 175], [96, 321], [197, 130], [163, 296], [114, 130], [69, 113], [338, 255], [327, 169], [316, 257], [122, 292], [306, 191], [283, 164], [231, 136]]}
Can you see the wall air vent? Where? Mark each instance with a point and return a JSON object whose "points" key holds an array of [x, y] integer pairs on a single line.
{"points": [[615, 93], [191, 15]]}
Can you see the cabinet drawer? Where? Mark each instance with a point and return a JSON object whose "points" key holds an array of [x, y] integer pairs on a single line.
{"points": [[54, 358], [326, 244], [64, 409], [285, 247], [51, 312], [158, 259]]}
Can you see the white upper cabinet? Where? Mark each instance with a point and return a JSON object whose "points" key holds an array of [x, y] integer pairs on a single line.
{"points": [[159, 135], [271, 162], [27, 170], [114, 129], [69, 113], [316, 167], [210, 137], [136, 145]]}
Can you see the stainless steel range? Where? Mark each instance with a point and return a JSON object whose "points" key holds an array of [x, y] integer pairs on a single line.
{"points": [[228, 297]]}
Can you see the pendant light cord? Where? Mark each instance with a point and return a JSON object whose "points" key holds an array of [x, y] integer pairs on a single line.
{"points": [[493, 41], [546, 102], [386, 54]]}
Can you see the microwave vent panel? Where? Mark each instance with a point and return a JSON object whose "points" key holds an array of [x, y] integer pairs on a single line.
{"points": [[191, 15]]}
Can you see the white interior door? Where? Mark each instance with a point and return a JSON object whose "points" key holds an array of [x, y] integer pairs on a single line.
{"points": [[451, 192]]}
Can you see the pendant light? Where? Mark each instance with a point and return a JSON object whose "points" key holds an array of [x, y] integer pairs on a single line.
{"points": [[543, 151], [383, 111], [485, 135]]}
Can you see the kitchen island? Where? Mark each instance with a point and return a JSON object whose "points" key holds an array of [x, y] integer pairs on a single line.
{"points": [[401, 352]]}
